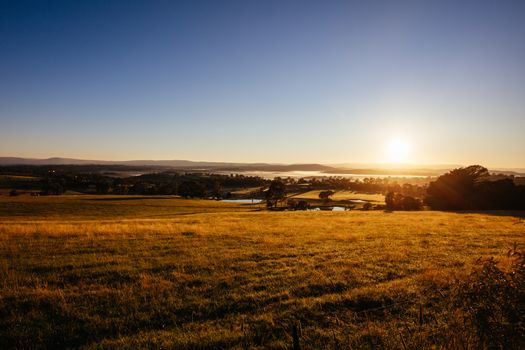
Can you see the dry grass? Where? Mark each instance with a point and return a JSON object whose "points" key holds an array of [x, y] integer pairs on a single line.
{"points": [[18, 177], [246, 191], [230, 278], [345, 195], [109, 207]]}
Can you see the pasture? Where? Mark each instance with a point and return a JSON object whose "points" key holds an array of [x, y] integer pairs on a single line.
{"points": [[340, 196], [99, 272]]}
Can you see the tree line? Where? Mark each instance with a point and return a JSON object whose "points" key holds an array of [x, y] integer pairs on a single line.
{"points": [[468, 188], [102, 179], [474, 188]]}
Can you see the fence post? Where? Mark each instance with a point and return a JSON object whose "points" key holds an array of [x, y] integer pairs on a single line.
{"points": [[420, 315], [295, 336]]}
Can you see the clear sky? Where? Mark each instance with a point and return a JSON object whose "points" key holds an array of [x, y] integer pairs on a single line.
{"points": [[273, 81]]}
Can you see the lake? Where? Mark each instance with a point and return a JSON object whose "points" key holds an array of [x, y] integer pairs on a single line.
{"points": [[309, 174], [249, 201]]}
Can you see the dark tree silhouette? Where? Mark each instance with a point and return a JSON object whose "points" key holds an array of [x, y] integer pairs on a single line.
{"points": [[192, 189], [216, 191], [103, 187], [298, 205], [367, 206], [499, 194], [473, 188], [53, 185], [398, 201], [390, 200], [455, 189], [325, 195], [276, 192]]}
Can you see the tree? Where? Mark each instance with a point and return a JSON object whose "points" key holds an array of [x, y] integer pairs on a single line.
{"points": [[102, 187], [275, 193], [191, 189], [473, 188], [410, 203], [216, 192], [302, 205], [398, 201], [455, 190], [53, 186], [325, 195], [367, 206], [298, 205], [390, 201], [498, 194]]}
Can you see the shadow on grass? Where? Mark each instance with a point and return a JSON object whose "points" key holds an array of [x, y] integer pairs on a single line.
{"points": [[128, 198], [513, 213]]}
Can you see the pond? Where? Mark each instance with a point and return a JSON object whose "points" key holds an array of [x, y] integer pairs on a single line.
{"points": [[313, 174], [258, 201], [248, 201], [328, 209]]}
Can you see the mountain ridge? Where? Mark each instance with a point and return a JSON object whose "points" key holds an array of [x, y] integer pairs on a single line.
{"points": [[259, 166]]}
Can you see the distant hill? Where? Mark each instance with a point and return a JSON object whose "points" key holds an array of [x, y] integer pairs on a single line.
{"points": [[383, 169], [178, 164]]}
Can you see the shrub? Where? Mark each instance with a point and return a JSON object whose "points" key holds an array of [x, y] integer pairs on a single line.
{"points": [[298, 205], [367, 206], [325, 195], [275, 193], [473, 188], [398, 201], [489, 307], [192, 189]]}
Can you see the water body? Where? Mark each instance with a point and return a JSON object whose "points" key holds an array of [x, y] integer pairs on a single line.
{"points": [[328, 209], [248, 201], [309, 174], [257, 201]]}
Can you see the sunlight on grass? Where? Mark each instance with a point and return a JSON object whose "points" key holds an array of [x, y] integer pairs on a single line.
{"points": [[224, 279]]}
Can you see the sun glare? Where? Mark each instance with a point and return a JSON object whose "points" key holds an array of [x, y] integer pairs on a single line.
{"points": [[398, 150]]}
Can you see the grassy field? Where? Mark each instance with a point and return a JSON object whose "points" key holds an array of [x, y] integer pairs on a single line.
{"points": [[18, 177], [133, 273], [109, 207], [374, 198], [22, 183]]}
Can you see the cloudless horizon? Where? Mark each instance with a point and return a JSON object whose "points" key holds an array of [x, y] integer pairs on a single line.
{"points": [[430, 82]]}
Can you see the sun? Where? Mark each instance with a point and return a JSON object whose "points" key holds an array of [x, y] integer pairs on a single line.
{"points": [[398, 150]]}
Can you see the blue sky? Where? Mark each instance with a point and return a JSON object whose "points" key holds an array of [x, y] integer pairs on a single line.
{"points": [[273, 81]]}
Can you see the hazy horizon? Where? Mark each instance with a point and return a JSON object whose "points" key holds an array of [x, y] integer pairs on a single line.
{"points": [[354, 165], [405, 82]]}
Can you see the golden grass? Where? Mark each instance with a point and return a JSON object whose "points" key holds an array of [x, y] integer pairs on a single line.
{"points": [[232, 278], [18, 177], [375, 198], [109, 207], [246, 191]]}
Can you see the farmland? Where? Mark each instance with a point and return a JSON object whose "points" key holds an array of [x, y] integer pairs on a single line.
{"points": [[161, 272], [341, 198]]}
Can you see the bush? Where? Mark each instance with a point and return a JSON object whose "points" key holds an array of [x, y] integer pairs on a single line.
{"points": [[473, 188], [367, 206], [298, 205], [275, 193], [192, 189], [489, 308], [325, 195], [398, 201]]}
